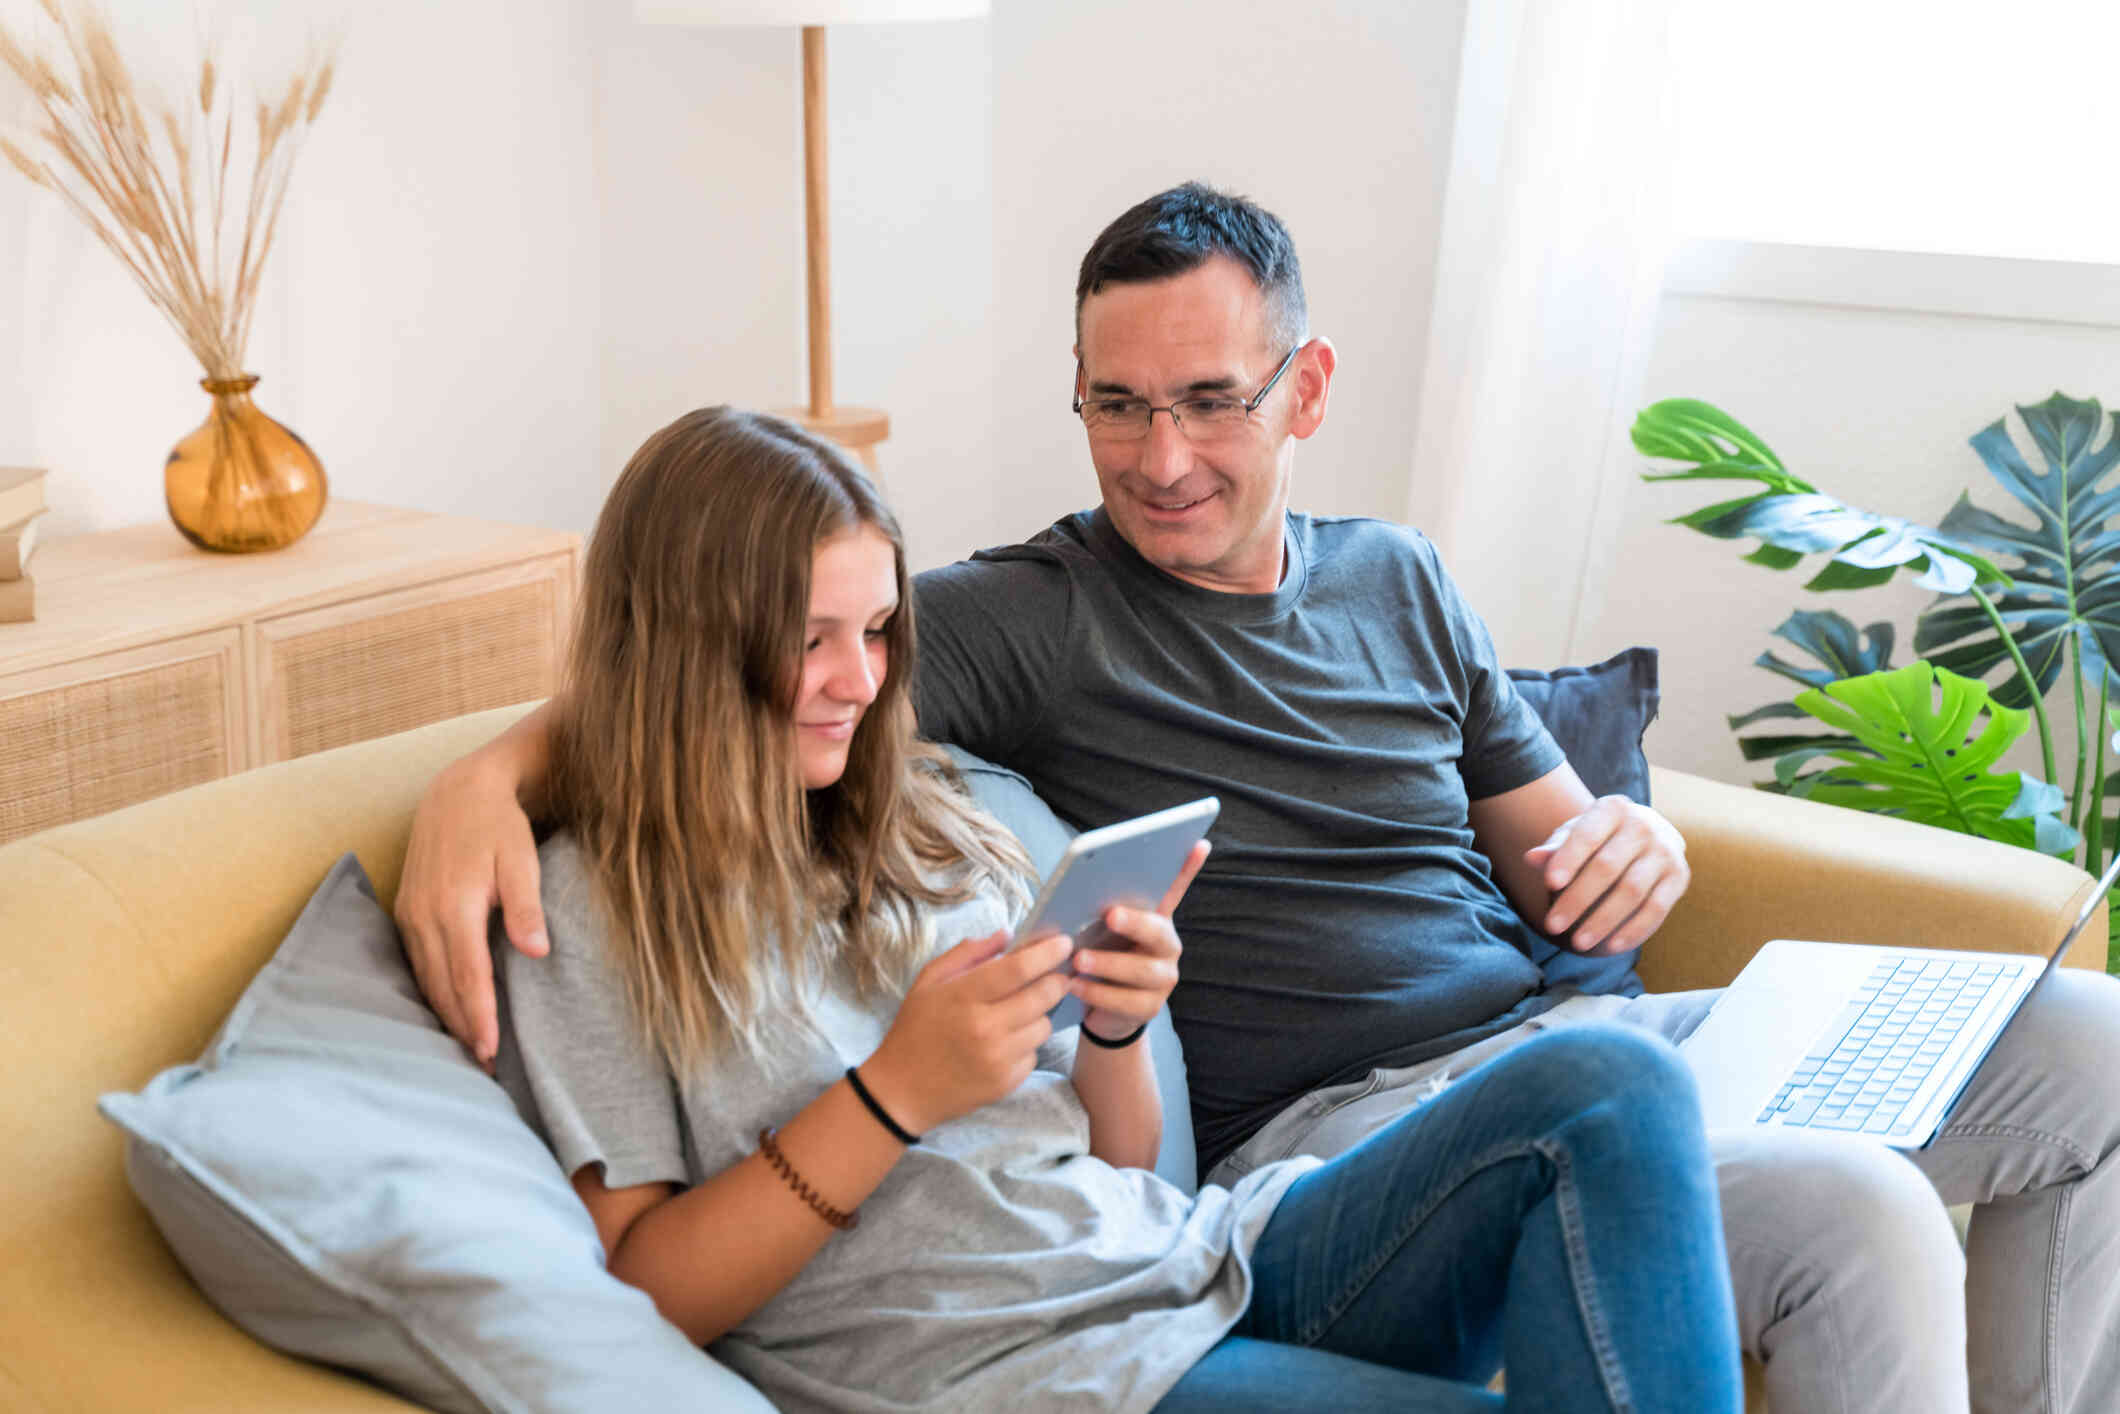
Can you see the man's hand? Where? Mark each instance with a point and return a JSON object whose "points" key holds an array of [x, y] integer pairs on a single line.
{"points": [[471, 849], [1617, 868]]}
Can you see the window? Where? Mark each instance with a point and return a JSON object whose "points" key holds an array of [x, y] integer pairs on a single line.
{"points": [[1964, 127]]}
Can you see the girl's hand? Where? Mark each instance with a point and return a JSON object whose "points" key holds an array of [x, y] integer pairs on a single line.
{"points": [[969, 1030], [1124, 989]]}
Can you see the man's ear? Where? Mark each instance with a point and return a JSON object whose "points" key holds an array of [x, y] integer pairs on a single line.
{"points": [[1312, 375]]}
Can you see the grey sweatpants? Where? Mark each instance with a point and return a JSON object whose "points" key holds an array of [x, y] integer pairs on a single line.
{"points": [[1851, 1286]]}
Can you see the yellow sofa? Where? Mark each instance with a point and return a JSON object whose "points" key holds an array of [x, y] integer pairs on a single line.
{"points": [[125, 939]]}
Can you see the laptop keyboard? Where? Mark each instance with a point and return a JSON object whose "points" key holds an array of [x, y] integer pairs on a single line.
{"points": [[1871, 1061]]}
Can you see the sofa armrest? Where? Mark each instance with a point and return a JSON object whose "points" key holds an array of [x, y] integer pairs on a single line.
{"points": [[1768, 866], [124, 940]]}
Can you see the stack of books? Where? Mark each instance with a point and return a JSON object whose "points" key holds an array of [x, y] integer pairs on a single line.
{"points": [[21, 503]]}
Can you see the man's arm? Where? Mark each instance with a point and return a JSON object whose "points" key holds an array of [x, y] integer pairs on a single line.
{"points": [[471, 849], [1610, 868]]}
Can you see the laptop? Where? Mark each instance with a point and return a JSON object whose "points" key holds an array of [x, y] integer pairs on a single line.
{"points": [[1854, 1039]]}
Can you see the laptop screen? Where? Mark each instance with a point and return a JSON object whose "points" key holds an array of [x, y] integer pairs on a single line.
{"points": [[2090, 906]]}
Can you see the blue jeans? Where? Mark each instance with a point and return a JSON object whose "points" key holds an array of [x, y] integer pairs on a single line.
{"points": [[1554, 1212]]}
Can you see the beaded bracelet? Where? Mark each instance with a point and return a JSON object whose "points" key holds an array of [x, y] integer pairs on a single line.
{"points": [[1119, 1045], [845, 1222]]}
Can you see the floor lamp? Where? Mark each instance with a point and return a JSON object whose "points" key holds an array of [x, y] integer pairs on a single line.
{"points": [[858, 429]]}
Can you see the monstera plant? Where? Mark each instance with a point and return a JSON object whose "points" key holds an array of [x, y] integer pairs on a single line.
{"points": [[2017, 605]]}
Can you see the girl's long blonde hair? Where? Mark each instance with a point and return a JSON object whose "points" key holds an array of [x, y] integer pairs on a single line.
{"points": [[729, 889]]}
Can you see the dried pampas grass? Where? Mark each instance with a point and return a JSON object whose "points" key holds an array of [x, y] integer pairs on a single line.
{"points": [[161, 182]]}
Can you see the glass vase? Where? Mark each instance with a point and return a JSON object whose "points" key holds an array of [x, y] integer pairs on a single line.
{"points": [[242, 482]]}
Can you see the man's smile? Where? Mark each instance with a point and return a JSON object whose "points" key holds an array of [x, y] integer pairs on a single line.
{"points": [[1168, 507]]}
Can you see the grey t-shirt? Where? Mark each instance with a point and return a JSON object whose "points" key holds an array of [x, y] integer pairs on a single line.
{"points": [[998, 1266], [1345, 920]]}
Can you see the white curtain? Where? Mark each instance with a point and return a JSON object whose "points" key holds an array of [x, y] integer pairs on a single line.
{"points": [[1556, 223]]}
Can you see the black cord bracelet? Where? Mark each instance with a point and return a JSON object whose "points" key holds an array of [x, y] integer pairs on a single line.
{"points": [[883, 1117], [1119, 1045]]}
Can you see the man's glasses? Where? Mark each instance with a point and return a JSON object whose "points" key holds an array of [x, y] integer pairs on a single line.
{"points": [[1204, 416]]}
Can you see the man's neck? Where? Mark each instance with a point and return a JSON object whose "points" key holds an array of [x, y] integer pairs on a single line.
{"points": [[1266, 581]]}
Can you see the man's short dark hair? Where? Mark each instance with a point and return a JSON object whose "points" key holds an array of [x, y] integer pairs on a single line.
{"points": [[1180, 230]]}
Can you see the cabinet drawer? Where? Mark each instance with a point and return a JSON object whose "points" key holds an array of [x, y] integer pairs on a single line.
{"points": [[390, 662], [99, 733]]}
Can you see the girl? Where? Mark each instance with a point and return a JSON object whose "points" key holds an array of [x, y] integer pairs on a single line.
{"points": [[816, 1108]]}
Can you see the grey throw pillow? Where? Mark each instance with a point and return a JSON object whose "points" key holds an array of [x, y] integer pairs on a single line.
{"points": [[1009, 798], [344, 1184], [1598, 715]]}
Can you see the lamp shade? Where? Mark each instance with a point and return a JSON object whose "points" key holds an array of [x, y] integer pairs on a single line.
{"points": [[801, 12]]}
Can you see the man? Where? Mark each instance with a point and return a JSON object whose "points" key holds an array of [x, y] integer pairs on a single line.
{"points": [[1397, 832]]}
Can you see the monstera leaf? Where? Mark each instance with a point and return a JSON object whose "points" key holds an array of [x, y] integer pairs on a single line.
{"points": [[1927, 741], [1792, 518], [1834, 642], [2067, 562]]}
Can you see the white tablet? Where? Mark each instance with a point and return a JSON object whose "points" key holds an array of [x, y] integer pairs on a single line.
{"points": [[1132, 863]]}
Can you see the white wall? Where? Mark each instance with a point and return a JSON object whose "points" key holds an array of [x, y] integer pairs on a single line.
{"points": [[913, 258], [701, 218], [701, 194], [1335, 115], [442, 283], [1872, 405], [429, 319], [526, 234], [16, 447]]}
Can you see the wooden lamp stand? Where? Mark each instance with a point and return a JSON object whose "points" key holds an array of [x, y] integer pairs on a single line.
{"points": [[857, 429]]}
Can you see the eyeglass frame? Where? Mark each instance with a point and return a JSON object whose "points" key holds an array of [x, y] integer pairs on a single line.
{"points": [[1250, 404]]}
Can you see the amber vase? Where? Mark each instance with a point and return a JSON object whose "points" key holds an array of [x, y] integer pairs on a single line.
{"points": [[242, 482]]}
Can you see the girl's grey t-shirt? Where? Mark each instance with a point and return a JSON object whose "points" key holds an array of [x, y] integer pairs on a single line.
{"points": [[998, 1266]]}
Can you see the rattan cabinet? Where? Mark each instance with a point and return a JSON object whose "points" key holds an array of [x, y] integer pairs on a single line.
{"points": [[152, 665]]}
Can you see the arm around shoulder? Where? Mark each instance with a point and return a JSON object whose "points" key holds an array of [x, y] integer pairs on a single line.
{"points": [[472, 850], [992, 636]]}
